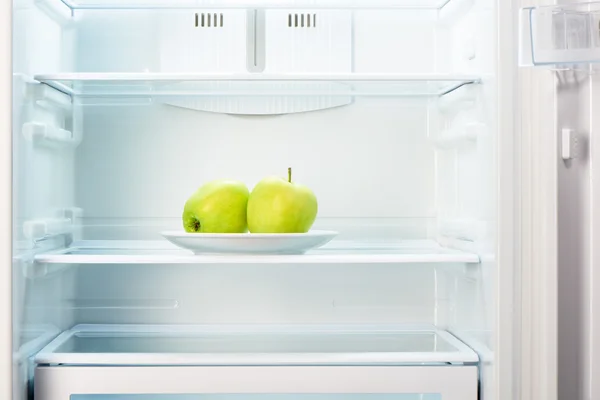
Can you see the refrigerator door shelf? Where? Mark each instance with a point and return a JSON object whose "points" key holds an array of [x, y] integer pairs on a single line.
{"points": [[561, 36], [181, 85], [335, 252], [151, 345]]}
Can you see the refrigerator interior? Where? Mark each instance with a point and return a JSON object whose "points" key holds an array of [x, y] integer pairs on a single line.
{"points": [[386, 109]]}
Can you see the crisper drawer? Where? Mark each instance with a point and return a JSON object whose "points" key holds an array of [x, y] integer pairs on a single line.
{"points": [[92, 362], [253, 383]]}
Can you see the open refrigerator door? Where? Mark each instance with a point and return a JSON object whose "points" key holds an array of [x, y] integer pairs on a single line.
{"points": [[559, 52], [562, 48], [538, 153]]}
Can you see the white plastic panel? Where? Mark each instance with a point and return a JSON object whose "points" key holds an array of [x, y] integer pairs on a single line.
{"points": [[378, 138], [42, 181], [467, 136], [406, 42], [40, 42], [202, 41], [261, 105], [453, 383], [255, 294], [257, 41], [167, 40], [308, 41]]}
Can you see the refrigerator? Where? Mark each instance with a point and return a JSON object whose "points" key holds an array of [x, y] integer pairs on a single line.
{"points": [[432, 133]]}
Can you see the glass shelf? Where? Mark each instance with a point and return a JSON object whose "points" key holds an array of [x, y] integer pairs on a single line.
{"points": [[166, 345], [150, 85], [225, 4], [336, 252], [560, 36], [262, 396]]}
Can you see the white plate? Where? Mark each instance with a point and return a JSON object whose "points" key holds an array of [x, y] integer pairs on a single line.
{"points": [[248, 243]]}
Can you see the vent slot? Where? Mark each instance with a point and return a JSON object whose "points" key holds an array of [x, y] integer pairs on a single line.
{"points": [[209, 20], [303, 20]]}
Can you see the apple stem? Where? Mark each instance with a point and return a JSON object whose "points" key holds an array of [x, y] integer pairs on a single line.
{"points": [[290, 175]]}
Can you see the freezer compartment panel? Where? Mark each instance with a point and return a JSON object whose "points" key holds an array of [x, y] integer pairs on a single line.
{"points": [[255, 345]]}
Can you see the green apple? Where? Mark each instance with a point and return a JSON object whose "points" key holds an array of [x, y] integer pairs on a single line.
{"points": [[277, 205], [217, 207]]}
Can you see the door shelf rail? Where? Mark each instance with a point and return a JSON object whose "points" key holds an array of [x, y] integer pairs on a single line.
{"points": [[336, 252], [175, 85], [561, 36]]}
